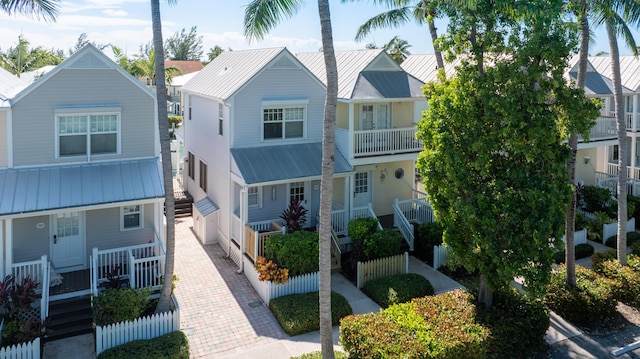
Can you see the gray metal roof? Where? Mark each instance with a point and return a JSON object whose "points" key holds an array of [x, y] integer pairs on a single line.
{"points": [[285, 162], [206, 206], [229, 71], [10, 85], [596, 84], [57, 187], [387, 84], [629, 69], [349, 63], [424, 67]]}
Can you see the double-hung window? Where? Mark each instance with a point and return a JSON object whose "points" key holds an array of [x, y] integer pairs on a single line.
{"points": [[254, 195], [131, 217], [203, 176], [87, 134], [284, 121]]}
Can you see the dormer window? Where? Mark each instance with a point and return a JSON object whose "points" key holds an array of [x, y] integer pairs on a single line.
{"points": [[87, 134]]}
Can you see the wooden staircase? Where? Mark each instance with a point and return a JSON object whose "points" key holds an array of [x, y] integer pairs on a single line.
{"points": [[336, 252], [184, 204], [69, 317]]}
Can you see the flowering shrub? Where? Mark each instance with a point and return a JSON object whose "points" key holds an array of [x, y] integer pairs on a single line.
{"points": [[269, 271]]}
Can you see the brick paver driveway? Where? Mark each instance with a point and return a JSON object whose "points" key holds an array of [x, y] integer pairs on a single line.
{"points": [[219, 310]]}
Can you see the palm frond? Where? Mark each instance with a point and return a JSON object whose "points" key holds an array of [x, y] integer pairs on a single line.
{"points": [[45, 9], [390, 19], [261, 16]]}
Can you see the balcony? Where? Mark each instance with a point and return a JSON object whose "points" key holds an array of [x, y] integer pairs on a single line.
{"points": [[604, 129], [365, 143]]}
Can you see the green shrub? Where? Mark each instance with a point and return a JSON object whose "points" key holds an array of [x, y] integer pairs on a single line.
{"points": [[596, 199], [632, 238], [361, 228], [594, 227], [382, 244], [626, 281], [583, 250], [636, 206], [590, 303], [170, 346], [397, 289], [300, 313], [598, 257], [613, 209], [318, 355], [441, 326], [580, 222], [428, 234], [174, 120], [297, 251], [118, 305], [635, 249]]}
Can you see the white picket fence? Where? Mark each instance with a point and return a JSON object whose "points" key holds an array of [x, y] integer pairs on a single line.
{"points": [[381, 268], [30, 350], [579, 237], [267, 291], [440, 255], [611, 229], [149, 327]]}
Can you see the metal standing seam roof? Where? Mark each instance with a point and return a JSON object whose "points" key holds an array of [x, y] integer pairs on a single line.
{"points": [[10, 85], [27, 190], [349, 63], [206, 206], [284, 162], [387, 84], [596, 84], [629, 69], [425, 68], [229, 71]]}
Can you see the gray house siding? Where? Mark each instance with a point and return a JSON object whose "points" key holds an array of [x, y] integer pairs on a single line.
{"points": [[34, 120], [103, 229], [271, 85], [4, 153], [272, 209], [30, 242]]}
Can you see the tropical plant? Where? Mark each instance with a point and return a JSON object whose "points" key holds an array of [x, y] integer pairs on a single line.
{"points": [[145, 66], [214, 52], [295, 216], [260, 17], [22, 58], [398, 49], [164, 302], [47, 9], [184, 46]]}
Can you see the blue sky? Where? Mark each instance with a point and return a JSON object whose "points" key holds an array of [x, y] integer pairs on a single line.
{"points": [[127, 24]]}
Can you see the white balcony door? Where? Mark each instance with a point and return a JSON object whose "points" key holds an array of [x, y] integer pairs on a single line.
{"points": [[375, 116], [362, 189], [67, 241]]}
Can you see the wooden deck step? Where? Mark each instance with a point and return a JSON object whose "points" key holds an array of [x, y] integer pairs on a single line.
{"points": [[69, 317]]}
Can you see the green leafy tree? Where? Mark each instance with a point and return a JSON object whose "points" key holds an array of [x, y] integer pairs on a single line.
{"points": [[184, 46], [22, 58], [260, 17], [398, 49], [82, 41], [145, 66], [494, 159], [47, 9], [214, 52], [124, 61], [164, 302]]}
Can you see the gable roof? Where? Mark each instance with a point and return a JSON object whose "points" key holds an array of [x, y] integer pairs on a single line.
{"points": [[350, 64], [629, 69], [232, 70], [386, 84], [595, 83], [186, 66], [178, 81], [10, 85], [284, 162], [425, 68], [88, 57]]}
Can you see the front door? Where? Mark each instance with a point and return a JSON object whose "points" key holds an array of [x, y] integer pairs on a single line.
{"points": [[300, 191], [375, 116], [362, 189], [67, 241]]}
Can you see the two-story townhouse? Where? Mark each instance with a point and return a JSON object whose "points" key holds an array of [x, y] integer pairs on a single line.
{"points": [[81, 189], [253, 132]]}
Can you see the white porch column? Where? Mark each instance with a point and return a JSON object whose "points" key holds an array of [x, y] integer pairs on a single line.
{"points": [[8, 252], [2, 269], [351, 128], [347, 202], [632, 169], [159, 222], [244, 206], [634, 114]]}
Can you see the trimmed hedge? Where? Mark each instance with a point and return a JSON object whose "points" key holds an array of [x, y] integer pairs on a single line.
{"points": [[632, 238], [171, 346], [318, 355], [300, 313], [598, 257], [626, 281], [397, 289], [297, 251], [592, 302], [119, 305], [384, 243], [582, 250]]}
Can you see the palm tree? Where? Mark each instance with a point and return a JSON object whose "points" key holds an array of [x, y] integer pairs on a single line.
{"points": [[145, 66], [164, 303], [21, 58], [47, 9], [260, 17], [398, 49], [125, 62]]}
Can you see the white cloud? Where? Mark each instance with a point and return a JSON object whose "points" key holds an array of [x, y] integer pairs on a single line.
{"points": [[115, 13]]}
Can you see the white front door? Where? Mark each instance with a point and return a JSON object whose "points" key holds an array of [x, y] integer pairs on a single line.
{"points": [[375, 116], [362, 189], [300, 191], [67, 241]]}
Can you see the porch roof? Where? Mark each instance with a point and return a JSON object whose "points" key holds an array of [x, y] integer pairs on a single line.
{"points": [[285, 162], [387, 84], [27, 190]]}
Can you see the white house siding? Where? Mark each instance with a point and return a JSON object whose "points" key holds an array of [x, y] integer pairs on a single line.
{"points": [[4, 153], [277, 85], [271, 208], [202, 139], [386, 190], [34, 121], [402, 114], [103, 229], [586, 172], [30, 242]]}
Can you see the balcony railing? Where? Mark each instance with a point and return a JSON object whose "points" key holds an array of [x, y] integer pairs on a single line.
{"points": [[385, 142], [605, 128], [632, 120]]}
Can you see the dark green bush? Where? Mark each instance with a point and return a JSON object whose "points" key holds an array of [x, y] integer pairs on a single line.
{"points": [[594, 227], [318, 355], [583, 250], [580, 222], [428, 234], [397, 289], [632, 238], [613, 209], [170, 346], [592, 302], [300, 313], [626, 281], [636, 206], [361, 228], [635, 249], [596, 199], [442, 326], [297, 251], [118, 305], [599, 257], [382, 244]]}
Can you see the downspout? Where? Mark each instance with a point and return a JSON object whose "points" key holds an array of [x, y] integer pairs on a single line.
{"points": [[243, 221]]}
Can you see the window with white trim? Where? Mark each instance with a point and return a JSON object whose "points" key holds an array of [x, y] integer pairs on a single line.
{"points": [[220, 119], [283, 122], [131, 217], [203, 176], [87, 134], [254, 195], [191, 169]]}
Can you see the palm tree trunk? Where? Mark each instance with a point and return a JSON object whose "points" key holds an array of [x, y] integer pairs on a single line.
{"points": [[164, 303], [570, 220], [436, 49], [326, 182], [622, 144]]}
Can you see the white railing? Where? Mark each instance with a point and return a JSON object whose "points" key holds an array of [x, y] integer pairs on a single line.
{"points": [[236, 227], [604, 128], [629, 119], [339, 221], [365, 212], [29, 350], [267, 291], [402, 223], [386, 141], [579, 237], [149, 327], [610, 181], [418, 194], [587, 215], [142, 265], [381, 268], [37, 270], [440, 254], [611, 229], [418, 210]]}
